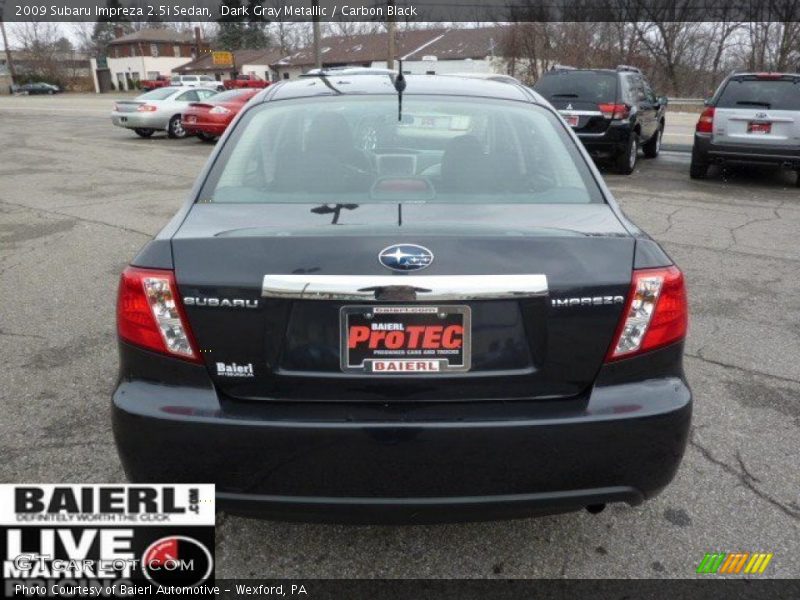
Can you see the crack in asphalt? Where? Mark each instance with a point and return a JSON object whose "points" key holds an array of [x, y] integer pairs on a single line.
{"points": [[82, 219], [742, 369], [21, 335], [745, 478]]}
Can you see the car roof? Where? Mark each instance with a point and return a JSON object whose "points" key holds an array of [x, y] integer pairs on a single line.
{"points": [[335, 84], [765, 75]]}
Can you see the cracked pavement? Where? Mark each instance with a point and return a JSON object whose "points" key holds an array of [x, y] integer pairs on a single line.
{"points": [[79, 197]]}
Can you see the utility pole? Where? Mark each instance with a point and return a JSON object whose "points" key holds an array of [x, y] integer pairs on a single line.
{"points": [[390, 31], [315, 28], [9, 61]]}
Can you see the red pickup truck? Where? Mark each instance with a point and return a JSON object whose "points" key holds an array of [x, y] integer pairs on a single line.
{"points": [[245, 81], [151, 84]]}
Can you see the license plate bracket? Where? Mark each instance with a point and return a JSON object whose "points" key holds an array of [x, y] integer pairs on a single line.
{"points": [[759, 128], [405, 340], [572, 120]]}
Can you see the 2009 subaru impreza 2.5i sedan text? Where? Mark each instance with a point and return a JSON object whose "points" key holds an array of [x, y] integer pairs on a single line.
{"points": [[416, 307]]}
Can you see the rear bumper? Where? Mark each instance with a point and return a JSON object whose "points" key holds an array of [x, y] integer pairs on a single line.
{"points": [[384, 463], [209, 128], [135, 120], [612, 142], [705, 150]]}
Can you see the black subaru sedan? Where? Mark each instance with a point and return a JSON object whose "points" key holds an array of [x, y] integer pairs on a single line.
{"points": [[402, 301]]}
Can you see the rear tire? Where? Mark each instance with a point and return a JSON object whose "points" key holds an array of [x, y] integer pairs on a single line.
{"points": [[698, 168], [145, 133], [626, 162], [175, 129], [653, 145], [205, 137]]}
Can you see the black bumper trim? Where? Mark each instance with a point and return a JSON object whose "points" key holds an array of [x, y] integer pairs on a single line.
{"points": [[421, 510]]}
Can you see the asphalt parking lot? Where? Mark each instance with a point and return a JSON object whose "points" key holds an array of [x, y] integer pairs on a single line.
{"points": [[79, 197]]}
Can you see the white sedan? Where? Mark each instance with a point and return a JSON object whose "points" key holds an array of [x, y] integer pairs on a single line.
{"points": [[159, 109]]}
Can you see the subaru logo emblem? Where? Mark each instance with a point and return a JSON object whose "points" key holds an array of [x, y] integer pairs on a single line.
{"points": [[405, 257]]}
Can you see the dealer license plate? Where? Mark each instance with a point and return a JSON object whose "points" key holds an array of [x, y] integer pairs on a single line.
{"points": [[405, 340], [759, 128], [572, 120]]}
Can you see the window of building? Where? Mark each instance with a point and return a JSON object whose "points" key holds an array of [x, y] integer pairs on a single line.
{"points": [[154, 50], [176, 50]]}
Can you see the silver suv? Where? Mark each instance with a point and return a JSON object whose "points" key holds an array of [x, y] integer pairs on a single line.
{"points": [[753, 118]]}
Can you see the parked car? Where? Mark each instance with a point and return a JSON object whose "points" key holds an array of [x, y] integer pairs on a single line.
{"points": [[158, 82], [208, 120], [753, 118], [159, 109], [440, 314], [30, 89], [196, 81], [246, 81], [614, 111]]}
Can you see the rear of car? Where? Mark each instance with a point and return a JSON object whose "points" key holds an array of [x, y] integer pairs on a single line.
{"points": [[436, 317], [208, 120], [613, 112], [753, 118], [158, 110]]}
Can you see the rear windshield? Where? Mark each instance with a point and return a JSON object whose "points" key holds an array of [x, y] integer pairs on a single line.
{"points": [[353, 149], [776, 94], [158, 93], [589, 86], [231, 95]]}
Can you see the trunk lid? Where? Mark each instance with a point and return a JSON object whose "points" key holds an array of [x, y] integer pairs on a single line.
{"points": [[127, 106], [286, 348], [577, 94]]}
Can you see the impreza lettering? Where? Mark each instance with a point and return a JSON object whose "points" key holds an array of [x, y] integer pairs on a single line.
{"points": [[586, 301]]}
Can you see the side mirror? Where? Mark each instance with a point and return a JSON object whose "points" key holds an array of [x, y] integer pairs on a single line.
{"points": [[663, 100]]}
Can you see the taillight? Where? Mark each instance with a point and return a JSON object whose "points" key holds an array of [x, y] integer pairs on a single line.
{"points": [[146, 108], [705, 124], [219, 110], [614, 111], [656, 313], [150, 313]]}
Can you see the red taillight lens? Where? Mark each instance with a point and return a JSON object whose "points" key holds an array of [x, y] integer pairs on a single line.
{"points": [[656, 313], [615, 111], [705, 124], [146, 108], [150, 313]]}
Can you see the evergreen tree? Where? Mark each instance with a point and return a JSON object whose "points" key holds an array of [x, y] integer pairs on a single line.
{"points": [[230, 35]]}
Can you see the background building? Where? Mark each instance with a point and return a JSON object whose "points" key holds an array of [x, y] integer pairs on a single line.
{"points": [[148, 53]]}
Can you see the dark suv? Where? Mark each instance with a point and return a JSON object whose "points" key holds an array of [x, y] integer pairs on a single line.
{"points": [[613, 111], [753, 118]]}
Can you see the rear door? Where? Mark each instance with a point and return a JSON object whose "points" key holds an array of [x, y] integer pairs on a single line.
{"points": [[578, 94], [648, 109], [758, 110]]}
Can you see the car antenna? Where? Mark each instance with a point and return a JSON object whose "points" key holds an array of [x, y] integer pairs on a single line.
{"points": [[400, 85]]}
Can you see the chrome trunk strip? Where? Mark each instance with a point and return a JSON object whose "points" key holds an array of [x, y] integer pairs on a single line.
{"points": [[403, 288]]}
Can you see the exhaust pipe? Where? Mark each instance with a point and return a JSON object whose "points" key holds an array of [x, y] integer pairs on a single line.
{"points": [[595, 509]]}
